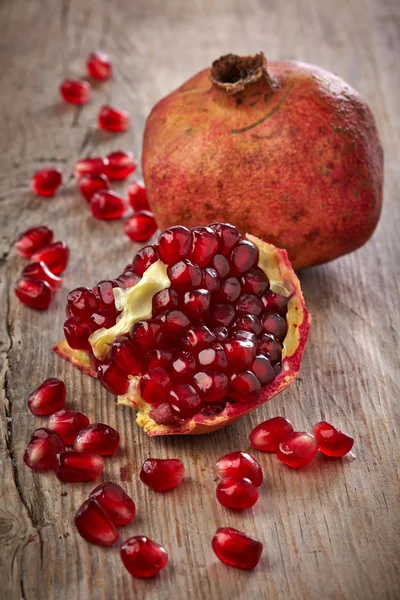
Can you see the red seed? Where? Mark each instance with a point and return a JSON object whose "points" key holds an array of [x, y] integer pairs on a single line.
{"points": [[269, 346], [249, 304], [163, 414], [98, 438], [67, 424], [143, 259], [236, 549], [142, 557], [222, 315], [126, 356], [182, 367], [141, 226], [113, 379], [162, 475], [79, 466], [244, 335], [46, 182], [120, 165], [244, 386], [198, 337], [248, 323], [77, 333], [146, 334], [90, 184], [240, 354], [105, 292], [240, 464], [107, 205], [298, 449], [237, 493], [275, 325], [175, 323], [48, 397], [270, 433], [75, 91], [275, 303], [211, 385], [82, 302], [99, 66], [115, 502], [174, 244], [210, 281], [101, 319], [113, 119], [40, 272], [213, 358], [263, 369], [184, 275], [228, 236], [196, 305], [184, 400], [230, 290], [127, 280], [164, 300], [331, 441], [42, 450], [255, 282], [33, 239], [54, 255], [156, 358], [138, 197], [220, 264], [94, 524], [33, 293], [243, 257], [204, 245], [155, 385], [95, 165], [221, 333]]}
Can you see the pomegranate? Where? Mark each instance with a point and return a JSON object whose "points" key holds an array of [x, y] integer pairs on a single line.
{"points": [[237, 493], [114, 501], [43, 449], [99, 66], [236, 549], [67, 424], [187, 362], [94, 524], [46, 182], [298, 449], [331, 441], [49, 397], [162, 475], [33, 239], [285, 150], [142, 557]]}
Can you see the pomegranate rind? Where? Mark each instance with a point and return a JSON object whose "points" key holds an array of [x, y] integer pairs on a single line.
{"points": [[79, 359]]}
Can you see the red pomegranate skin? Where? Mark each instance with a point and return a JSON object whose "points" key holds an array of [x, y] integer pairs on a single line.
{"points": [[297, 162]]}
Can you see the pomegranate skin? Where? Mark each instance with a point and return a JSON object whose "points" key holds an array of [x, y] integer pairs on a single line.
{"points": [[293, 157]]}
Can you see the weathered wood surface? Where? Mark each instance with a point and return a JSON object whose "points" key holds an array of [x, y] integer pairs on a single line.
{"points": [[331, 530]]}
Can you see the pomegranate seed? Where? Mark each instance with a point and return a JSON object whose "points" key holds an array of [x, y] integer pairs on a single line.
{"points": [[67, 424], [101, 319], [54, 255], [142, 557], [96, 165], [79, 466], [263, 369], [236, 549], [46, 182], [94, 524], [154, 385], [33, 239], [77, 333], [184, 275], [38, 271], [120, 165], [255, 282], [99, 66], [196, 304], [90, 184], [332, 441], [48, 397], [213, 357], [243, 257], [275, 303], [270, 433], [298, 449], [82, 302], [156, 358], [249, 304], [269, 346], [275, 325], [114, 119], [146, 334], [115, 502], [237, 493], [184, 400], [182, 367], [141, 226], [126, 356], [222, 315], [211, 385], [107, 205], [220, 264], [138, 197], [164, 300], [248, 323], [175, 323], [240, 354], [98, 438], [244, 335], [163, 414], [143, 259], [204, 245], [228, 236], [230, 290], [162, 475], [113, 379], [174, 244], [210, 281], [221, 333], [127, 280], [238, 465], [33, 293], [105, 291], [41, 452], [74, 91], [244, 386]]}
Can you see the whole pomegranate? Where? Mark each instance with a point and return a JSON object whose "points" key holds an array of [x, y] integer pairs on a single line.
{"points": [[291, 154]]}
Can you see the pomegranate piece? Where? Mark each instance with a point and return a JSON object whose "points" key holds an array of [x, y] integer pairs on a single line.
{"points": [[142, 261], [54, 255], [162, 475], [196, 304], [38, 271], [184, 400], [99, 66], [236, 549], [137, 196], [97, 438], [42, 450], [243, 257], [120, 165], [33, 239], [238, 465], [67, 424], [95, 165], [107, 205], [228, 237], [210, 281], [331, 441], [211, 385], [94, 524], [75, 91], [33, 293], [113, 379], [155, 385], [141, 226], [240, 354], [126, 356], [113, 119], [263, 369], [46, 182], [255, 282], [204, 245], [237, 493], [48, 397], [115, 502], [298, 449], [270, 433], [79, 466], [244, 386], [275, 325], [275, 303], [77, 333], [174, 244], [90, 184], [142, 557]]}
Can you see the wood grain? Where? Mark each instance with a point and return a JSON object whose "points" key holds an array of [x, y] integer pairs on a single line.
{"points": [[331, 530]]}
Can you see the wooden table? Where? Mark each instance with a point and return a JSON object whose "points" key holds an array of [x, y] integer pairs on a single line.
{"points": [[331, 530]]}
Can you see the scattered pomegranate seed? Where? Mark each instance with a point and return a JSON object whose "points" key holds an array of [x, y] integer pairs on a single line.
{"points": [[67, 424], [331, 441], [113, 379], [113, 119], [240, 464], [115, 502], [94, 524], [138, 197], [48, 397], [95, 165], [40, 272], [99, 66], [142, 557], [98, 438], [46, 182], [79, 466], [33, 239], [55, 256], [162, 475], [174, 244], [298, 449], [33, 293], [120, 165], [237, 493], [228, 236], [75, 91], [90, 184], [236, 549], [270, 433], [42, 450], [107, 205], [141, 226]]}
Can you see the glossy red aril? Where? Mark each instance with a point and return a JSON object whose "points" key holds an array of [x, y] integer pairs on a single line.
{"points": [[75, 91], [204, 245], [240, 354], [142, 557], [107, 205], [213, 357], [275, 303], [156, 358], [243, 257], [98, 438], [249, 304], [42, 450], [54, 255], [82, 302], [174, 244], [155, 385], [331, 441], [146, 334], [263, 369], [126, 356], [67, 424], [220, 264], [114, 379], [269, 346], [244, 386], [298, 449], [77, 333], [222, 315], [198, 337], [115, 502], [141, 226], [221, 333], [184, 275], [210, 281], [230, 290], [99, 66], [239, 464], [46, 182], [162, 475], [175, 323], [249, 323], [90, 184], [113, 119], [40, 272], [164, 300], [143, 259], [120, 165], [255, 282], [94, 165], [33, 293], [182, 367], [236, 493], [184, 400], [79, 466], [236, 549], [94, 524], [48, 397], [138, 197], [211, 385], [33, 239], [228, 236], [196, 304], [270, 433], [275, 325]]}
